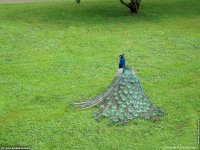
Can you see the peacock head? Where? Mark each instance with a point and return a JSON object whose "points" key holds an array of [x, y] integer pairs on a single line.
{"points": [[121, 56]]}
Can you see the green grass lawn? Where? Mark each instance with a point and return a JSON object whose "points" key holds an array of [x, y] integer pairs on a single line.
{"points": [[52, 53]]}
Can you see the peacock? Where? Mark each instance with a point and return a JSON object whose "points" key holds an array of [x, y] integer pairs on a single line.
{"points": [[123, 100]]}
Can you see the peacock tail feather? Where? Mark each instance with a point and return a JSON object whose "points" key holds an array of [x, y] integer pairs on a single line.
{"points": [[123, 100]]}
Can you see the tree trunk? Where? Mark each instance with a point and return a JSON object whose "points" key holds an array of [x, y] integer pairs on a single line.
{"points": [[133, 5]]}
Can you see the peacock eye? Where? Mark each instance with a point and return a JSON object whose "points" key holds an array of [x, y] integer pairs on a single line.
{"points": [[131, 101], [130, 109], [130, 117], [125, 91], [130, 91]]}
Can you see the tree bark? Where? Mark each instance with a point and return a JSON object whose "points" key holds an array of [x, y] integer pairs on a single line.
{"points": [[133, 5]]}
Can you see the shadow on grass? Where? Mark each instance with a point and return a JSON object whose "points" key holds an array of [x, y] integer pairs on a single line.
{"points": [[100, 12]]}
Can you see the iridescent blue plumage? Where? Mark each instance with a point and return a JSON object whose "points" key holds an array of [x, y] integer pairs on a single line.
{"points": [[122, 61]]}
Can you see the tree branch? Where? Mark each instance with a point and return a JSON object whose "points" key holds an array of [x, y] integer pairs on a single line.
{"points": [[127, 5]]}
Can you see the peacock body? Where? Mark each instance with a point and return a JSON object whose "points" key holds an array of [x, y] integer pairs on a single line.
{"points": [[123, 100]]}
